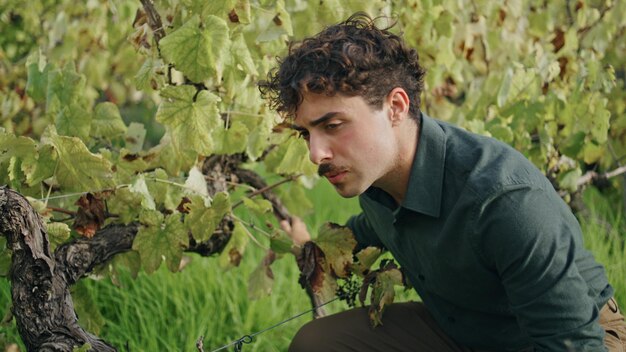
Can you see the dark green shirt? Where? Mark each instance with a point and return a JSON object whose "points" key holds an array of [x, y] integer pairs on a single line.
{"points": [[494, 253]]}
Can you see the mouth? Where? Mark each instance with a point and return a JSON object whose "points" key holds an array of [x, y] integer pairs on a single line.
{"points": [[335, 177]]}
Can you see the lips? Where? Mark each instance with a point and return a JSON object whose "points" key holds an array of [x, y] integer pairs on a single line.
{"points": [[335, 177]]}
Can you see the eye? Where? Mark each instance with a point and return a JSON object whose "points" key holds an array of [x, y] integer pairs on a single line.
{"points": [[333, 126], [304, 134]]}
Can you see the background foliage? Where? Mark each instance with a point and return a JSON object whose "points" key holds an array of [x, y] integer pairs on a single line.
{"points": [[89, 101]]}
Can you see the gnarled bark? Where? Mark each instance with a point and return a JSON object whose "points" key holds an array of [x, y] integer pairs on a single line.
{"points": [[42, 304]]}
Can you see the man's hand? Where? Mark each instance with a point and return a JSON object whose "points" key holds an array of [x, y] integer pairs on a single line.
{"points": [[296, 230]]}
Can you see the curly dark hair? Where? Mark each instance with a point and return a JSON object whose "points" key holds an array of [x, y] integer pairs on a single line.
{"points": [[353, 57]]}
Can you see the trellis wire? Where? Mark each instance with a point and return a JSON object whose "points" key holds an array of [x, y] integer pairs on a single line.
{"points": [[247, 339]]}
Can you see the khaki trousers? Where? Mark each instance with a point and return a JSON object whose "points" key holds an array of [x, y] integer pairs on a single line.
{"points": [[410, 327]]}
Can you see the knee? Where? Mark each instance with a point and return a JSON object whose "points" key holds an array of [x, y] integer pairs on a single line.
{"points": [[309, 338]]}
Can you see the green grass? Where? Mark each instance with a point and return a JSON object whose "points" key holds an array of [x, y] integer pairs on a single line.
{"points": [[168, 312], [604, 233]]}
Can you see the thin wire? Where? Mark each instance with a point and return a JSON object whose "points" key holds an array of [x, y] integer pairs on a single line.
{"points": [[81, 193], [248, 338]]}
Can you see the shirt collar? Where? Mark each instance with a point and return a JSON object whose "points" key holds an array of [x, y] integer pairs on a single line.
{"points": [[426, 178]]}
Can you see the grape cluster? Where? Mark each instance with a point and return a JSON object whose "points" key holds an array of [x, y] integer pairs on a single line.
{"points": [[348, 289]]}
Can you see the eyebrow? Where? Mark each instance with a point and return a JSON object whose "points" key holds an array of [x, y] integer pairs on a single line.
{"points": [[327, 116]]}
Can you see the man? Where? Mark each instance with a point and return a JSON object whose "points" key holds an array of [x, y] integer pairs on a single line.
{"points": [[495, 255]]}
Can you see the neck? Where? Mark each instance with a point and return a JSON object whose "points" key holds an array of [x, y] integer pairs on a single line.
{"points": [[396, 182]]}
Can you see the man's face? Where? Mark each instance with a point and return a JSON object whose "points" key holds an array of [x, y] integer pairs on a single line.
{"points": [[353, 144]]}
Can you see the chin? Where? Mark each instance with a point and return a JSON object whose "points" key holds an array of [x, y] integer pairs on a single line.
{"points": [[347, 192]]}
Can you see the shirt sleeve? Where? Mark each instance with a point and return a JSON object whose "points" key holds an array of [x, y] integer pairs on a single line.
{"points": [[363, 232], [533, 241]]}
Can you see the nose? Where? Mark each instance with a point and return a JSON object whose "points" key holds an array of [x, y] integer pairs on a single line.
{"points": [[319, 150]]}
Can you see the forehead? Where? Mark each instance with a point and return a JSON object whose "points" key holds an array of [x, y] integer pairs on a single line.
{"points": [[315, 106]]}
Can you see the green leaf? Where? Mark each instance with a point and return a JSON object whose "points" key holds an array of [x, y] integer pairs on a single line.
{"points": [[171, 157], [592, 153], [295, 199], [258, 139], [337, 243], [261, 279], [502, 132], [58, 232], [162, 242], [40, 165], [290, 157], [37, 83], [505, 87], [64, 88], [78, 169], [233, 140], [198, 53], [190, 121], [258, 206], [130, 261], [73, 120], [163, 193], [147, 76], [568, 180], [242, 9], [127, 204], [84, 348], [445, 55], [11, 145], [280, 242], [205, 8], [203, 221], [236, 246], [107, 121]]}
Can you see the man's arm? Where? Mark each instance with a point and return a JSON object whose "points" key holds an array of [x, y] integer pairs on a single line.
{"points": [[363, 232], [534, 243]]}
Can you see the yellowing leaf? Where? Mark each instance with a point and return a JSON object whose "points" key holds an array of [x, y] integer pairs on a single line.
{"points": [[236, 246], [337, 243], [262, 278], [135, 135], [198, 53], [107, 121], [364, 260], [315, 273], [191, 122], [232, 140], [77, 168], [382, 282]]}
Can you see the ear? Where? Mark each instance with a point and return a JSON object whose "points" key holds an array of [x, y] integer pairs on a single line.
{"points": [[399, 103]]}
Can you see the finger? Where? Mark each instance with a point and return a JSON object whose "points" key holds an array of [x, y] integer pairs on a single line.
{"points": [[284, 224]]}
